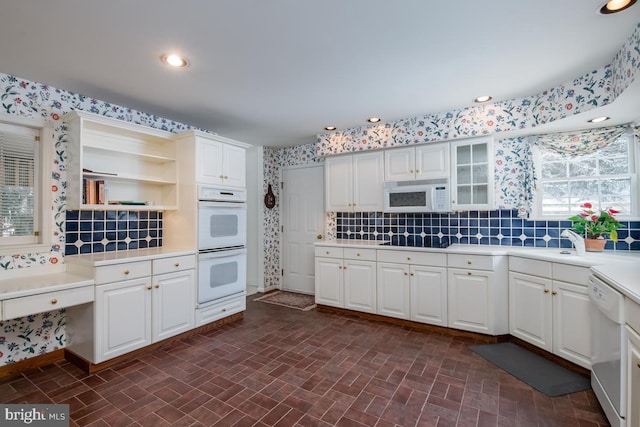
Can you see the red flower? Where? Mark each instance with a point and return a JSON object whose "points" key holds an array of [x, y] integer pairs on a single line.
{"points": [[586, 205], [594, 217], [613, 211], [569, 106], [584, 214], [54, 188], [55, 116], [54, 260]]}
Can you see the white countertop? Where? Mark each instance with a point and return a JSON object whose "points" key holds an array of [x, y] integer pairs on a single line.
{"points": [[625, 277], [118, 257], [33, 285]]}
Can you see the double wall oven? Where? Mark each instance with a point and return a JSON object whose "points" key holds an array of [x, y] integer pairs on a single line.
{"points": [[222, 238]]}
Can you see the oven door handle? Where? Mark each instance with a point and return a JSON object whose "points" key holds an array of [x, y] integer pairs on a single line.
{"points": [[230, 204], [221, 254]]}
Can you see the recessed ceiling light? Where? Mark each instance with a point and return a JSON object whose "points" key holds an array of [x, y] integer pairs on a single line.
{"points": [[598, 119], [330, 128], [483, 98], [374, 119], [175, 61], [614, 6]]}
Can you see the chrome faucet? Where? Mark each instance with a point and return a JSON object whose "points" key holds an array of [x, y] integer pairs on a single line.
{"points": [[576, 239]]}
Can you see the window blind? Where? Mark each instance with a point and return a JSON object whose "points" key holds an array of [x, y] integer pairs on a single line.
{"points": [[18, 182]]}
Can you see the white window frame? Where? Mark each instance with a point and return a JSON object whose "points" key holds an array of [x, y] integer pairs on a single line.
{"points": [[634, 161], [43, 218]]}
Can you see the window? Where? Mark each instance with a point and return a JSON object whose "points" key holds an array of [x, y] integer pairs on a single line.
{"points": [[605, 178], [22, 201]]}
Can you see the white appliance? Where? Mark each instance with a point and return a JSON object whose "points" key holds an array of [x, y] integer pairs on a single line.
{"points": [[431, 195], [608, 350], [222, 237]]}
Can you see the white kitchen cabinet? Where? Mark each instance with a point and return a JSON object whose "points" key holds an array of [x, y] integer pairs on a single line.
{"points": [[346, 279], [154, 302], [550, 313], [478, 293], [354, 182], [429, 294], [218, 161], [426, 161], [112, 163], [472, 174], [394, 291], [633, 377]]}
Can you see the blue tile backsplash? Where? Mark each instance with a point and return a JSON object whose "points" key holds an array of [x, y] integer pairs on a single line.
{"points": [[498, 227], [106, 231]]}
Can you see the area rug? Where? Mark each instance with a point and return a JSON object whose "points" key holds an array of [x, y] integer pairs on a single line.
{"points": [[289, 299], [542, 374]]}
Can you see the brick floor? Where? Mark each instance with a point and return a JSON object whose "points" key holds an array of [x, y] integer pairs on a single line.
{"points": [[284, 367]]}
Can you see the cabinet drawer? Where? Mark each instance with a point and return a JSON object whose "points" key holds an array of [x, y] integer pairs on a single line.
{"points": [[33, 304], [571, 273], [171, 264], [125, 271], [532, 267], [220, 310], [329, 252], [409, 257], [478, 262], [633, 314], [363, 254]]}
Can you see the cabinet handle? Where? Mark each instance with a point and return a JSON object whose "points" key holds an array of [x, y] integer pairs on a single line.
{"points": [[406, 274], [340, 267], [126, 272], [469, 262], [349, 204], [417, 171], [453, 202], [221, 177], [177, 264], [149, 287], [638, 363], [554, 293], [411, 274], [224, 309], [468, 273], [357, 254], [354, 204], [54, 301], [408, 258], [411, 171], [327, 252], [226, 177], [546, 291], [157, 286]]}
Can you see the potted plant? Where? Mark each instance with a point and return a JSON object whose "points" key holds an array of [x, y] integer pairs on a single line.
{"points": [[595, 226]]}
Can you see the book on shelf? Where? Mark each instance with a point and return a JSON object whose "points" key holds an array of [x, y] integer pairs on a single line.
{"points": [[93, 191]]}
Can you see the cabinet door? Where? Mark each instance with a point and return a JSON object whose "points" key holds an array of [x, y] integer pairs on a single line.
{"points": [[530, 317], [399, 164], [432, 161], [633, 378], [234, 166], [123, 317], [429, 295], [339, 184], [571, 323], [329, 282], [470, 300], [472, 174], [209, 161], [393, 290], [173, 305], [360, 285], [368, 182]]}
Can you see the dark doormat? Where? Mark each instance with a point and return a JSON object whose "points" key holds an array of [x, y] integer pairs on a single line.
{"points": [[542, 374], [290, 299]]}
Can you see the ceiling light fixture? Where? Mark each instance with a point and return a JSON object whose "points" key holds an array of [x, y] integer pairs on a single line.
{"points": [[483, 98], [374, 119], [330, 128], [615, 6], [175, 61], [599, 119]]}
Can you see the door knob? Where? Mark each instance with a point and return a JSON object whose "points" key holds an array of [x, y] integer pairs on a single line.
{"points": [[319, 237]]}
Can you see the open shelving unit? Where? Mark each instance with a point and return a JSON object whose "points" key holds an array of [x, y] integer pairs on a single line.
{"points": [[137, 164]]}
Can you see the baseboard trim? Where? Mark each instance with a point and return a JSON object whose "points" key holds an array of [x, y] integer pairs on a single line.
{"points": [[91, 368], [32, 363]]}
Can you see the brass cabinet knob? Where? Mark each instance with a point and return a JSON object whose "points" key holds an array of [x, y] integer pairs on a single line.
{"points": [[319, 237], [411, 171], [340, 267], [469, 262], [149, 287], [157, 286], [468, 273], [177, 264], [327, 252], [126, 272], [226, 177], [54, 301], [357, 254], [406, 274], [417, 171], [344, 268], [221, 177], [638, 363], [546, 291], [554, 293], [412, 274], [408, 258]]}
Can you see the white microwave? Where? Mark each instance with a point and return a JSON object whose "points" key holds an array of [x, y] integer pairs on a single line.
{"points": [[417, 196]]}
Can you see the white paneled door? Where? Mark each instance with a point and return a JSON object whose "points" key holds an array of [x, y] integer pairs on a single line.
{"points": [[303, 225]]}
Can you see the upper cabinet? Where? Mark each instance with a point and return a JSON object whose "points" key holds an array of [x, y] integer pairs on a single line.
{"points": [[354, 182], [472, 175], [218, 161], [112, 163], [416, 163]]}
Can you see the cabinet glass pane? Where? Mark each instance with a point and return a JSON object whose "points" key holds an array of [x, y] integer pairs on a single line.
{"points": [[479, 153], [480, 194], [464, 194], [480, 174], [464, 175], [463, 154]]}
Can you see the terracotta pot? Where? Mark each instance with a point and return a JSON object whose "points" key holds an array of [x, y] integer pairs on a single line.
{"points": [[594, 245]]}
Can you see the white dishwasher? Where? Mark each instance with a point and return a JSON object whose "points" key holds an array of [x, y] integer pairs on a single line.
{"points": [[608, 357]]}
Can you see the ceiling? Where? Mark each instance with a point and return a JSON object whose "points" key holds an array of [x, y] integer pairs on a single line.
{"points": [[276, 72]]}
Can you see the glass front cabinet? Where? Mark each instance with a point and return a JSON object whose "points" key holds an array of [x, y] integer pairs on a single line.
{"points": [[472, 174]]}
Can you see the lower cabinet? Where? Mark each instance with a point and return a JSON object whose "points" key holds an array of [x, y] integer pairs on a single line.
{"points": [[633, 377], [551, 314], [470, 300], [394, 292], [157, 302], [360, 285]]}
